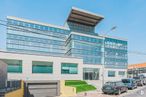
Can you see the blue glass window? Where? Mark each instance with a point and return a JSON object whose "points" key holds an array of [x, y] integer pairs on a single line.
{"points": [[14, 66], [42, 67], [122, 73], [69, 68], [111, 73]]}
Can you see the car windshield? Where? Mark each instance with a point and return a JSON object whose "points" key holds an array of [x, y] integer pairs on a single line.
{"points": [[119, 83], [126, 81], [110, 83], [114, 83], [136, 77]]}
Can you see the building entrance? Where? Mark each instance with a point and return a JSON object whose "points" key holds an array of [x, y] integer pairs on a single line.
{"points": [[91, 74]]}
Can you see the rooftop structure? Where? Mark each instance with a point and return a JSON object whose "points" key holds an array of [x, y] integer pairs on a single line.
{"points": [[136, 66], [84, 17]]}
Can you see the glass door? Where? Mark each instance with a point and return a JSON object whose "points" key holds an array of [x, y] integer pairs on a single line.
{"points": [[90, 74]]}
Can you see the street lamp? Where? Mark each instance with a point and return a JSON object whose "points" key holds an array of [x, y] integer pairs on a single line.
{"points": [[103, 52], [113, 28]]}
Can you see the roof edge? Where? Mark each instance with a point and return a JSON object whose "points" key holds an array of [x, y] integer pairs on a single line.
{"points": [[88, 12], [37, 22]]}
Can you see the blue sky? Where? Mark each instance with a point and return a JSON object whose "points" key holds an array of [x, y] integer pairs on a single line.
{"points": [[128, 15]]}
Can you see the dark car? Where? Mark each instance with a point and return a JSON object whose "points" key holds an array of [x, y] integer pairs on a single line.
{"points": [[130, 83], [139, 80], [143, 77], [116, 87]]}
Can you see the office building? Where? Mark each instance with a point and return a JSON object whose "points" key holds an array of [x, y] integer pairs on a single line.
{"points": [[72, 51]]}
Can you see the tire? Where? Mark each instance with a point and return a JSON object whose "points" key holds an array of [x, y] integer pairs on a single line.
{"points": [[141, 84], [119, 92], [126, 90], [104, 93]]}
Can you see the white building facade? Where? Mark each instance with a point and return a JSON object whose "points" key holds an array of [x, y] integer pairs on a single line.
{"points": [[21, 67], [24, 66]]}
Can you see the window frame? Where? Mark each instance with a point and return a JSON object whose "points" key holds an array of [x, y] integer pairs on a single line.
{"points": [[68, 65], [111, 75], [45, 65]]}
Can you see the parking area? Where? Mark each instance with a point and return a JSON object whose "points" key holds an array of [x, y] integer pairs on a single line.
{"points": [[124, 88], [100, 94]]}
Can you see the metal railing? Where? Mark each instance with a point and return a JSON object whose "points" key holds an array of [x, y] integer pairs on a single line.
{"points": [[11, 85]]}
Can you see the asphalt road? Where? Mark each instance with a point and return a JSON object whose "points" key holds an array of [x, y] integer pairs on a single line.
{"points": [[139, 93]]}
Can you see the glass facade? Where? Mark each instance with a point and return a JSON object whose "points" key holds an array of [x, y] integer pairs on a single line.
{"points": [[76, 27], [42, 67], [85, 47], [14, 68], [69, 68], [116, 53], [34, 38]]}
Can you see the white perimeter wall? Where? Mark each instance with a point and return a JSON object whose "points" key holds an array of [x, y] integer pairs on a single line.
{"points": [[27, 67], [56, 75], [117, 76]]}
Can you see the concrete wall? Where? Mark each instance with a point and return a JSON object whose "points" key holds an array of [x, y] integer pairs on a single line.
{"points": [[117, 77], [66, 91], [27, 67]]}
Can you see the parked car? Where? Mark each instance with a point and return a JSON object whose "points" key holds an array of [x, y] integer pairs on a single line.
{"points": [[143, 74], [130, 83], [139, 80], [143, 77], [116, 87]]}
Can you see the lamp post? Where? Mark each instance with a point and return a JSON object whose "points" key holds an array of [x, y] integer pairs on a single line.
{"points": [[103, 52]]}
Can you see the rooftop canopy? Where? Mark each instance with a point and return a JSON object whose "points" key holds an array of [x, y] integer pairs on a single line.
{"points": [[84, 17]]}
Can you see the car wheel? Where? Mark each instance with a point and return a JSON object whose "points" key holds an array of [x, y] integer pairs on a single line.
{"points": [[104, 93], [126, 90], [119, 92]]}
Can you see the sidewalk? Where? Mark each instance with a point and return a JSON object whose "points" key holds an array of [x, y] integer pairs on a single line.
{"points": [[94, 94]]}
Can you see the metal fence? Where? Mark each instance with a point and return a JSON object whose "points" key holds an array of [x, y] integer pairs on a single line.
{"points": [[11, 85]]}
